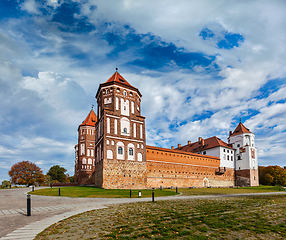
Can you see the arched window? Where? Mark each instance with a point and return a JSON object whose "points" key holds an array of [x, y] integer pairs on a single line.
{"points": [[84, 161], [125, 130], [120, 150], [131, 152]]}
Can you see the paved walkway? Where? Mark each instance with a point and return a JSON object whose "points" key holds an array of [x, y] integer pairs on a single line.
{"points": [[14, 224]]}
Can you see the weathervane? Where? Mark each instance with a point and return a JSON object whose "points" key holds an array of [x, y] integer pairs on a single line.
{"points": [[240, 120], [92, 106], [116, 69]]}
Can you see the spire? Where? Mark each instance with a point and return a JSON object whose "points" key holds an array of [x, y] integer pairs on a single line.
{"points": [[91, 119]]}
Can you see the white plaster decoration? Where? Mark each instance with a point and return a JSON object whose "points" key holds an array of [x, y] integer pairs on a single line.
{"points": [[131, 151], [89, 161], [92, 152], [139, 157], [132, 107], [107, 142], [134, 130], [115, 126], [117, 103], [141, 131], [108, 125], [120, 150], [88, 152], [124, 107], [112, 143], [82, 149], [125, 126], [109, 154], [84, 161]]}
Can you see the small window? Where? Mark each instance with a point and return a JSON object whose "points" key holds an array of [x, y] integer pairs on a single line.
{"points": [[227, 151], [107, 91], [121, 80], [223, 150], [120, 150], [131, 151], [124, 108], [125, 130], [238, 157], [238, 145], [125, 93], [231, 158], [227, 157], [204, 152]]}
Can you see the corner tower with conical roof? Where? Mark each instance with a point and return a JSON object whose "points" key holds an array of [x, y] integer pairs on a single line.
{"points": [[120, 159], [84, 150], [246, 162]]}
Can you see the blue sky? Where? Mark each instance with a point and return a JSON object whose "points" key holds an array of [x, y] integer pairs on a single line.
{"points": [[200, 66]]}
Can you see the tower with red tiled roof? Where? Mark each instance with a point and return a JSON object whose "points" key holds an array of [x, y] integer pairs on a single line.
{"points": [[246, 162], [120, 158], [84, 150]]}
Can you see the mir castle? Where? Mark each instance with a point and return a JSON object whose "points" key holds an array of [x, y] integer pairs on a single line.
{"points": [[112, 151]]}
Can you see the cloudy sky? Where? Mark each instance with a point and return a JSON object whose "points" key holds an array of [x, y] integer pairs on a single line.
{"points": [[200, 66]]}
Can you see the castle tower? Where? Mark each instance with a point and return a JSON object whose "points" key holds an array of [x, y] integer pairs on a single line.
{"points": [[120, 136], [84, 150], [246, 164]]}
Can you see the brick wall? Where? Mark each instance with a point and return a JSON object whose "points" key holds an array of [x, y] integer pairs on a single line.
{"points": [[167, 168], [124, 174], [247, 177]]}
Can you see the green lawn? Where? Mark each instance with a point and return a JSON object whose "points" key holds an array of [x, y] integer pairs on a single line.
{"points": [[93, 192], [240, 190], [251, 217]]}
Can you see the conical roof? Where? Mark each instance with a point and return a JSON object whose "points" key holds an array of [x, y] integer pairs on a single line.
{"points": [[90, 120], [240, 129]]}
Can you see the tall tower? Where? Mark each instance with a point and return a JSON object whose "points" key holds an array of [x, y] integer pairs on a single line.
{"points": [[246, 164], [84, 150], [120, 136]]}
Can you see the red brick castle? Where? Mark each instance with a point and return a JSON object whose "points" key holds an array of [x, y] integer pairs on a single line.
{"points": [[112, 152]]}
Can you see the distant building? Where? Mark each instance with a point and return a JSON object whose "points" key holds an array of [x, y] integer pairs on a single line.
{"points": [[112, 152]]}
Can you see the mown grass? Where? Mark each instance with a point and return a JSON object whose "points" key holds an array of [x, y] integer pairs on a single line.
{"points": [[255, 217], [240, 190], [93, 192]]}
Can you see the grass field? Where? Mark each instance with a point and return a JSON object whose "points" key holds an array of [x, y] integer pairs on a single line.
{"points": [[259, 217], [93, 192]]}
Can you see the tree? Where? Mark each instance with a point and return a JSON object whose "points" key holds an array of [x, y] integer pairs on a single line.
{"points": [[272, 175], [26, 173], [57, 173], [5, 183]]}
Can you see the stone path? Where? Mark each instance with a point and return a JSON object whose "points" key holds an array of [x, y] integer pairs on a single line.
{"points": [[14, 224]]}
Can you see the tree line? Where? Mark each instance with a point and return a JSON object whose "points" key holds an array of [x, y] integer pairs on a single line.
{"points": [[272, 175], [28, 173]]}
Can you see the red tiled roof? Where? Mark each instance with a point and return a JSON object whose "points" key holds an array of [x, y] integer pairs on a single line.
{"points": [[116, 77], [204, 145], [90, 120], [240, 129]]}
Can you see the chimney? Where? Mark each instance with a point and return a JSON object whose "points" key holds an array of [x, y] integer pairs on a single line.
{"points": [[179, 145], [230, 132], [203, 142], [189, 142], [172, 147], [200, 139]]}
